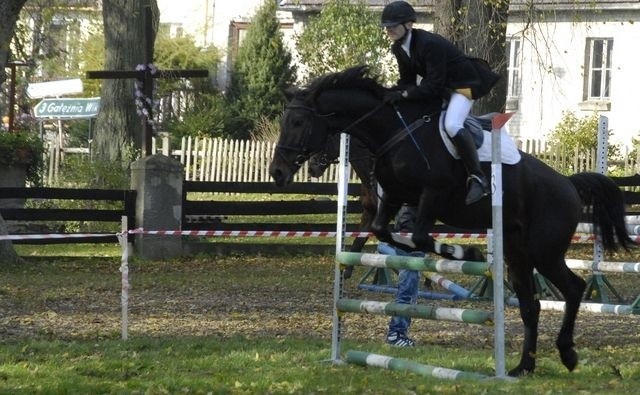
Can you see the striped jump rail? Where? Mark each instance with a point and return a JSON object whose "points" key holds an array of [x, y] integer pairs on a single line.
{"points": [[588, 307], [415, 311], [613, 267], [382, 361], [414, 263]]}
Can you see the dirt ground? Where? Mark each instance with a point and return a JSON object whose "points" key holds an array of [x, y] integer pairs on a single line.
{"points": [[256, 296]]}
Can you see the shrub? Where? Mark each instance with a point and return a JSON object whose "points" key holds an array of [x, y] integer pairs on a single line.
{"points": [[573, 133], [23, 149]]}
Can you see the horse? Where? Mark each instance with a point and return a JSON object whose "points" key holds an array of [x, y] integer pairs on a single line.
{"points": [[361, 160], [541, 207]]}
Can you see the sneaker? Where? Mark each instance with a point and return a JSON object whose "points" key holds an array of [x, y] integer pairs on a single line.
{"points": [[399, 340]]}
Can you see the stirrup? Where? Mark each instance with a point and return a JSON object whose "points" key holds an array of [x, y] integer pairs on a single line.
{"points": [[481, 181], [475, 193]]}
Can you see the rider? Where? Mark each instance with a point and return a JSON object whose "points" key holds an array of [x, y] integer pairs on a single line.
{"points": [[444, 72]]}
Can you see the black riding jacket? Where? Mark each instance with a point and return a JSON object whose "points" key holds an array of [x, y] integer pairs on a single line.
{"points": [[443, 68]]}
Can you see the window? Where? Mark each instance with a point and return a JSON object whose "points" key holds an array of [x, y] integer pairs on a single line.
{"points": [[237, 32], [513, 67], [598, 69]]}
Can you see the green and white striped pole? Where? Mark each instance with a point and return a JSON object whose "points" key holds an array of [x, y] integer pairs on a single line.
{"points": [[414, 263], [415, 311], [383, 361]]}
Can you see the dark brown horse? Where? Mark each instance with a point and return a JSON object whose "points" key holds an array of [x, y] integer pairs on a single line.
{"points": [[541, 207], [362, 161]]}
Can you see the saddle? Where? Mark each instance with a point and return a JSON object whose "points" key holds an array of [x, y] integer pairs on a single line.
{"points": [[480, 128], [476, 124]]}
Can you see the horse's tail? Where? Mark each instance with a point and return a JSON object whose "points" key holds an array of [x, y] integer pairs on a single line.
{"points": [[606, 201]]}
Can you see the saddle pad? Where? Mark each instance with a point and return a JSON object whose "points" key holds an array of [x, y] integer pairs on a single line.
{"points": [[509, 150]]}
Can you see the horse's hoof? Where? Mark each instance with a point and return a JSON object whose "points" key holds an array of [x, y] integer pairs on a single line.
{"points": [[569, 358], [521, 371]]}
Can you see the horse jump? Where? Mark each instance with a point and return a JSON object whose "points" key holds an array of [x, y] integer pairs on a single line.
{"points": [[407, 262], [471, 316]]}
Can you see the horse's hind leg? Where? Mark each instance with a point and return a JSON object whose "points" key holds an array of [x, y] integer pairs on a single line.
{"points": [[572, 288]]}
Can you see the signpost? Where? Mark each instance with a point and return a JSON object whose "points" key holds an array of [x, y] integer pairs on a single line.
{"points": [[71, 108], [60, 109], [38, 90]]}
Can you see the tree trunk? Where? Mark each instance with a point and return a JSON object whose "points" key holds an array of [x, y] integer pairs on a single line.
{"points": [[8, 254], [118, 125], [9, 12], [478, 27], [445, 19]]}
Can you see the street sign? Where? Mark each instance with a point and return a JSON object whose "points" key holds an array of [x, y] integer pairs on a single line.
{"points": [[38, 90], [68, 108]]}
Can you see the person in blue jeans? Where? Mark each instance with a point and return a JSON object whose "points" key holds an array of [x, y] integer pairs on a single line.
{"points": [[408, 281]]}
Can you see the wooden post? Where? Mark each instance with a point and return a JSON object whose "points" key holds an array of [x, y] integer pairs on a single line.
{"points": [[12, 92]]}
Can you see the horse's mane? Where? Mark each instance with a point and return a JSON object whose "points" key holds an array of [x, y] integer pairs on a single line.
{"points": [[357, 77]]}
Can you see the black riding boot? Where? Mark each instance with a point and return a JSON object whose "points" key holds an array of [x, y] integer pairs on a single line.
{"points": [[477, 184]]}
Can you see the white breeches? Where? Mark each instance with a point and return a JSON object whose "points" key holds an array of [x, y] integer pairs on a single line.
{"points": [[457, 111]]}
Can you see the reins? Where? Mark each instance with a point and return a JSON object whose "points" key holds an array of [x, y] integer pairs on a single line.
{"points": [[407, 130], [402, 133], [418, 147]]}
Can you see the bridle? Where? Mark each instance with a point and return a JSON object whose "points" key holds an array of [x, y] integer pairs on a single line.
{"points": [[302, 150]]}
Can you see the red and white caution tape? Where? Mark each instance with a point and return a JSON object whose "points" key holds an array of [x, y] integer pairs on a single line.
{"points": [[268, 233], [54, 236], [578, 238]]}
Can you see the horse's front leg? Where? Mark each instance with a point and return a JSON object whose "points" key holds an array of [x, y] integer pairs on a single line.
{"points": [[425, 222], [387, 209]]}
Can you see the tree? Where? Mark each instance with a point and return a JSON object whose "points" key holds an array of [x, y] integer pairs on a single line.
{"points": [[118, 125], [180, 96], [9, 12], [260, 73], [344, 34], [478, 27]]}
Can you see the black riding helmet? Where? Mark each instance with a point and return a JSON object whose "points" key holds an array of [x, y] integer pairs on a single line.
{"points": [[396, 13]]}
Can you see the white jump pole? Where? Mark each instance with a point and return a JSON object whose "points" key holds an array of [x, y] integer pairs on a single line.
{"points": [[344, 170], [124, 270], [601, 167], [497, 259]]}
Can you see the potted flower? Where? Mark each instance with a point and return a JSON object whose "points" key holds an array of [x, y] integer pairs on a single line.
{"points": [[20, 156]]}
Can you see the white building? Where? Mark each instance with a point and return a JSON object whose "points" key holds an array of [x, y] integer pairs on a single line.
{"points": [[565, 55]]}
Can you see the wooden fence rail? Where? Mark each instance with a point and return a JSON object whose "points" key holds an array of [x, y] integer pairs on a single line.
{"points": [[18, 213], [228, 160]]}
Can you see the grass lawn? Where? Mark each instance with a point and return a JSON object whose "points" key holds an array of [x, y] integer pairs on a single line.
{"points": [[259, 325]]}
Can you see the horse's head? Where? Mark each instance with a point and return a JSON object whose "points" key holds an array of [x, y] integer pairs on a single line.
{"points": [[302, 132], [332, 103]]}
